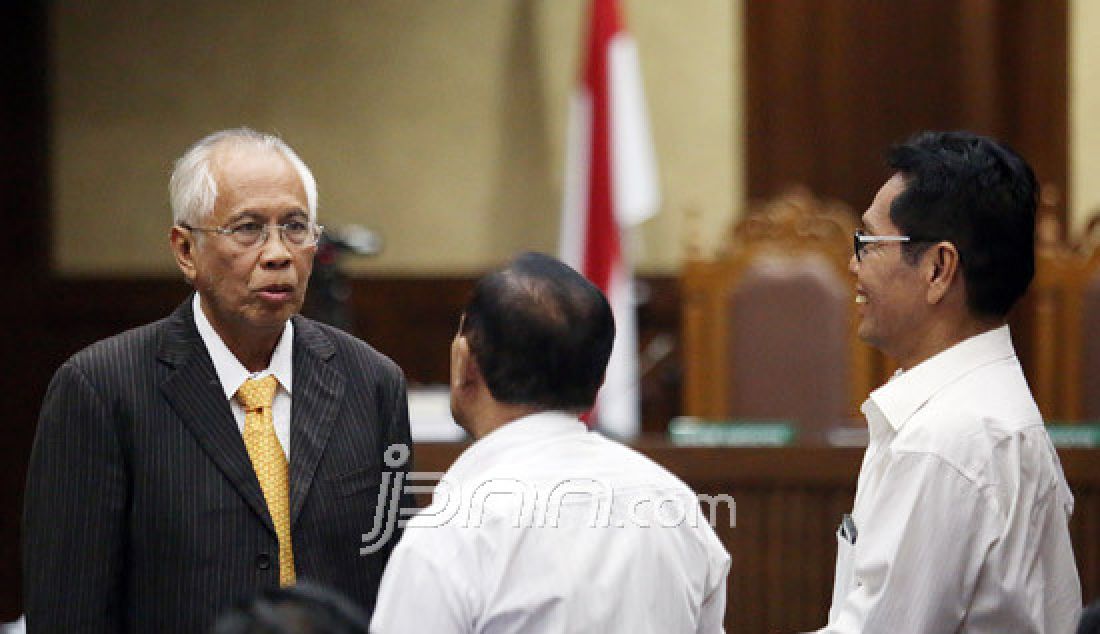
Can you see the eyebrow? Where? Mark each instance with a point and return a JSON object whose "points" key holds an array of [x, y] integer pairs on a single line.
{"points": [[250, 213]]}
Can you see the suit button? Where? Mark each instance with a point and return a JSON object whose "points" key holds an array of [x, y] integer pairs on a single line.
{"points": [[263, 561]]}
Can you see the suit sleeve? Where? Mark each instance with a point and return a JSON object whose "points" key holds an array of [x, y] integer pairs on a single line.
{"points": [[394, 443], [399, 434], [74, 517]]}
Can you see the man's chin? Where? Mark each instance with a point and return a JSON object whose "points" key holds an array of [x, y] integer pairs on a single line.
{"points": [[877, 342], [273, 317], [868, 336]]}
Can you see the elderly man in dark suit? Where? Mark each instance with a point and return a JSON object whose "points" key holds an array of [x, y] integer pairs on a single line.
{"points": [[230, 447]]}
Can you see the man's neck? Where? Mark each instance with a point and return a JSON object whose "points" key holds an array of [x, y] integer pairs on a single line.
{"points": [[254, 355], [496, 415], [944, 335], [252, 347]]}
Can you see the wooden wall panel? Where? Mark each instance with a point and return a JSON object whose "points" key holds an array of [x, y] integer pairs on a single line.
{"points": [[1033, 96], [831, 85]]}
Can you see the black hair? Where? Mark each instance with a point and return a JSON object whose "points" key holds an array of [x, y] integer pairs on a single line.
{"points": [[541, 334], [1090, 619], [979, 195], [304, 608]]}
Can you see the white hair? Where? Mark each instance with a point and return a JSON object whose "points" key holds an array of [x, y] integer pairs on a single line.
{"points": [[193, 189]]}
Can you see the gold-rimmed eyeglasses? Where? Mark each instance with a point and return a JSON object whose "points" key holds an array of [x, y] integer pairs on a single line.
{"points": [[250, 233]]}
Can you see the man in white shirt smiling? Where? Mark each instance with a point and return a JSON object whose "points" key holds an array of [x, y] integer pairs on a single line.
{"points": [[557, 529], [960, 522]]}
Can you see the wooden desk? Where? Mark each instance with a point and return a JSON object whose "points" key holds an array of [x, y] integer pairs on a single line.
{"points": [[788, 503]]}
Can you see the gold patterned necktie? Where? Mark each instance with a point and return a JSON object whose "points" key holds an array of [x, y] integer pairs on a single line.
{"points": [[257, 397]]}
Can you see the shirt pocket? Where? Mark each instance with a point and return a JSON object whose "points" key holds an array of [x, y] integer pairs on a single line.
{"points": [[844, 581]]}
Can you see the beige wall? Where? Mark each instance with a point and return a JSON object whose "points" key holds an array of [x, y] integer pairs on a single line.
{"points": [[438, 123], [1084, 111]]}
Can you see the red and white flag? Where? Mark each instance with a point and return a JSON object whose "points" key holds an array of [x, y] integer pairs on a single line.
{"points": [[610, 185]]}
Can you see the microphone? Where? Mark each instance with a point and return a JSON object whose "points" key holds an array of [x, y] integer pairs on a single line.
{"points": [[354, 239]]}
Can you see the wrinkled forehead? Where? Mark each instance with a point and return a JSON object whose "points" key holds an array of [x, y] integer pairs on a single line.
{"points": [[235, 155], [255, 166], [254, 180]]}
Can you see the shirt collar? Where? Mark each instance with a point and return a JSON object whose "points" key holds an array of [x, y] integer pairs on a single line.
{"points": [[231, 373], [904, 394], [494, 447]]}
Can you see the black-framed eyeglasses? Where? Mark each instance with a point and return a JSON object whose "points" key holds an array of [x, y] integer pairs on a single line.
{"points": [[250, 233], [860, 241]]}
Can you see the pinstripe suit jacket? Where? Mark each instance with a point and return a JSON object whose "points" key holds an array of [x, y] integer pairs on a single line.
{"points": [[142, 511]]}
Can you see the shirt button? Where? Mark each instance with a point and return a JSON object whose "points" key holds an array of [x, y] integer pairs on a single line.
{"points": [[263, 561]]}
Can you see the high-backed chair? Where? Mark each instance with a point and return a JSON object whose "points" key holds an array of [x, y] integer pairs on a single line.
{"points": [[1090, 320], [1053, 323], [769, 329], [1089, 329]]}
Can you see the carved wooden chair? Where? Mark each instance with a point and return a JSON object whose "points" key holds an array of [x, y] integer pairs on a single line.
{"points": [[769, 328], [1089, 331]]}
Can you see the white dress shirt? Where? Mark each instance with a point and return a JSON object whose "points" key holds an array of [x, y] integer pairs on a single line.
{"points": [[555, 529], [961, 511], [232, 374]]}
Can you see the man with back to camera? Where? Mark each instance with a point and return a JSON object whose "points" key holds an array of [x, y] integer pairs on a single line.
{"points": [[960, 522], [554, 528], [159, 489]]}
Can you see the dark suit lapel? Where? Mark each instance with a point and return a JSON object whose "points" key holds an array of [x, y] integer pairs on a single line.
{"points": [[318, 389], [195, 393]]}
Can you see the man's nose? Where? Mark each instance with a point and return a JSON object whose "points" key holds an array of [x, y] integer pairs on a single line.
{"points": [[274, 253], [853, 264]]}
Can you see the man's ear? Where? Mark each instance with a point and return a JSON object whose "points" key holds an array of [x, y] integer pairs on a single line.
{"points": [[941, 270], [183, 249], [464, 368]]}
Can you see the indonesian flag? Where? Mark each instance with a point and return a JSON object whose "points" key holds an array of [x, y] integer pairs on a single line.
{"points": [[610, 185]]}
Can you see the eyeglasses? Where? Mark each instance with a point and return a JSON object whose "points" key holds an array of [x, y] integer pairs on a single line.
{"points": [[250, 233], [860, 241]]}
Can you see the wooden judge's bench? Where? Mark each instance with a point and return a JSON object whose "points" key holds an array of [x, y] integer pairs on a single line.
{"points": [[788, 503]]}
